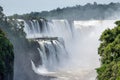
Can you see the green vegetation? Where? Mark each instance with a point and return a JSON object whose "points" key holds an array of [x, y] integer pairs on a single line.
{"points": [[109, 50], [78, 12], [16, 35], [6, 51], [24, 50], [31, 16], [6, 58]]}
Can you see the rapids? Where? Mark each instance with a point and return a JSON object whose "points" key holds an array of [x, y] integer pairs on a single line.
{"points": [[73, 56]]}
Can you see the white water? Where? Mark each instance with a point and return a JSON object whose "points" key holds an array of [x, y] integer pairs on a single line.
{"points": [[82, 48], [54, 28]]}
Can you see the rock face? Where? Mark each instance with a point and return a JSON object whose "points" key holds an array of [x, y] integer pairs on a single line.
{"points": [[6, 58]]}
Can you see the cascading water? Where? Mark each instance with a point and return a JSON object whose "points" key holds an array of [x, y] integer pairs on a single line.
{"points": [[35, 28], [43, 28], [51, 41], [81, 48], [52, 53]]}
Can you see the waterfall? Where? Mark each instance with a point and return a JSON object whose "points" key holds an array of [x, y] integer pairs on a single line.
{"points": [[73, 54], [52, 53], [53, 28], [35, 28], [51, 37]]}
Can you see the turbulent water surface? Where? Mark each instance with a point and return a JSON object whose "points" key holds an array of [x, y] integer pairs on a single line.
{"points": [[68, 50]]}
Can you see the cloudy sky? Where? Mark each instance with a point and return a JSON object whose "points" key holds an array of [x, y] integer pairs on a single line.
{"points": [[26, 6]]}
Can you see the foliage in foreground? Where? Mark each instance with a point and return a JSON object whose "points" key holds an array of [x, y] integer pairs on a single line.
{"points": [[6, 58], [109, 50], [8, 30], [24, 50]]}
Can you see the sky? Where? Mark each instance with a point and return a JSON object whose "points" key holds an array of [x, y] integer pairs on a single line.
{"points": [[26, 6]]}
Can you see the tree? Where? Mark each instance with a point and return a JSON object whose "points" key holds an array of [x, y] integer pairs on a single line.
{"points": [[6, 58], [109, 50], [1, 13]]}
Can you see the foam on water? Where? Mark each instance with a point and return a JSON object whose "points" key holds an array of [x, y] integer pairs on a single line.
{"points": [[77, 54]]}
